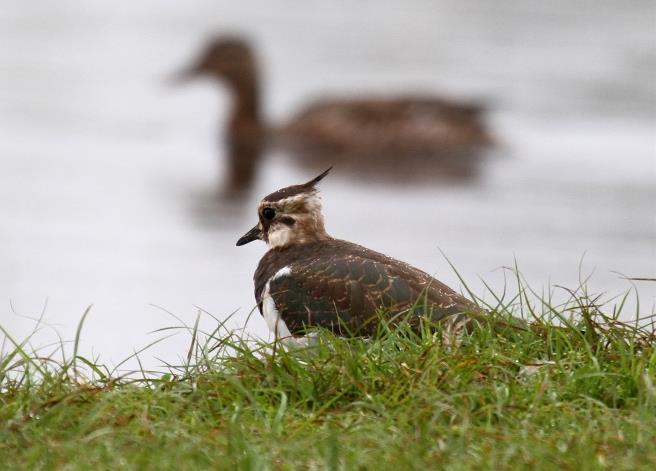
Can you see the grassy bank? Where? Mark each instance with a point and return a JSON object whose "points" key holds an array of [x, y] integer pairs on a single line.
{"points": [[581, 395]]}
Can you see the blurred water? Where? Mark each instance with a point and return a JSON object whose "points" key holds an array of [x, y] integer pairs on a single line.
{"points": [[107, 174]]}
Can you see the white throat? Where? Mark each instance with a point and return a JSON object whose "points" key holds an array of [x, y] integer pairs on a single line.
{"points": [[279, 236]]}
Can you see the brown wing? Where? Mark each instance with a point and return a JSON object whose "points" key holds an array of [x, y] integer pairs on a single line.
{"points": [[346, 292]]}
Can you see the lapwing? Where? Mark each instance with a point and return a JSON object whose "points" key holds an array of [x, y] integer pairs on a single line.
{"points": [[366, 134], [309, 279]]}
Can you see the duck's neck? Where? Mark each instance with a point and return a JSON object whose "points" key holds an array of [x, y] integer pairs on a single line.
{"points": [[245, 133], [246, 105]]}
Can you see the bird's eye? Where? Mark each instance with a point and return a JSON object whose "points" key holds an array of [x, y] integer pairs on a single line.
{"points": [[268, 213]]}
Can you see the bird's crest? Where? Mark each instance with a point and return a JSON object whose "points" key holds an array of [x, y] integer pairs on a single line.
{"points": [[290, 191]]}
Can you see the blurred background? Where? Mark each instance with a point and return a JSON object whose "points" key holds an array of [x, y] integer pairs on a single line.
{"points": [[110, 177]]}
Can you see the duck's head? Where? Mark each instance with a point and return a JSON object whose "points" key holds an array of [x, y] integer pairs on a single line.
{"points": [[289, 216], [228, 58]]}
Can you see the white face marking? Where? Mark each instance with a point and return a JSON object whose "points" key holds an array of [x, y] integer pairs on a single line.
{"points": [[279, 236], [312, 201]]}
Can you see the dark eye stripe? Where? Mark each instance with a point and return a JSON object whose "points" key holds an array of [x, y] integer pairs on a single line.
{"points": [[287, 220]]}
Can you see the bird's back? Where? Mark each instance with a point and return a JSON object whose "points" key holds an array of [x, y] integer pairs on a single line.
{"points": [[341, 285]]}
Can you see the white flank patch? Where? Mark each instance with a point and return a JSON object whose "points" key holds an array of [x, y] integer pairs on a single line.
{"points": [[272, 317], [284, 271]]}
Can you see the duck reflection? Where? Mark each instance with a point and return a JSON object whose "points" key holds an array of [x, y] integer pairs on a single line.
{"points": [[395, 138]]}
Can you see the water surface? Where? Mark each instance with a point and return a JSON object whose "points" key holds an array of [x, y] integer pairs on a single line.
{"points": [[108, 175]]}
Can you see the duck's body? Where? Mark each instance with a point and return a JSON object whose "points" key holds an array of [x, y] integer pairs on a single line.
{"points": [[382, 133], [403, 125], [309, 279]]}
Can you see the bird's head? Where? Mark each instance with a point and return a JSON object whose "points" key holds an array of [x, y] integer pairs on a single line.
{"points": [[229, 58], [289, 216]]}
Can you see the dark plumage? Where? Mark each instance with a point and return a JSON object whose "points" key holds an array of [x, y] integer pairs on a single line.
{"points": [[342, 286], [308, 278]]}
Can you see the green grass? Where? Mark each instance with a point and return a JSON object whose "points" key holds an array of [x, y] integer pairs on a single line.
{"points": [[575, 391]]}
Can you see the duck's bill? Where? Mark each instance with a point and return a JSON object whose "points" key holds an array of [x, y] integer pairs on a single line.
{"points": [[184, 75], [250, 236]]}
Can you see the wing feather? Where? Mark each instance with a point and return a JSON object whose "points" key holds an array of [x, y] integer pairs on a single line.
{"points": [[344, 292]]}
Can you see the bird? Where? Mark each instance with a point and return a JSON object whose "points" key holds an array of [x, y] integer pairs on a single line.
{"points": [[367, 134], [309, 279]]}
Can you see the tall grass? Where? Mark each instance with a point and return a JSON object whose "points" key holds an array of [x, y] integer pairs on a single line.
{"points": [[575, 389]]}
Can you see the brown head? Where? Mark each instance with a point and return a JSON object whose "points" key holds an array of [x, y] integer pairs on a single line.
{"points": [[228, 58], [290, 216]]}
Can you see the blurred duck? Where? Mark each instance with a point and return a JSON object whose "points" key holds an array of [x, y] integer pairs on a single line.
{"points": [[363, 135]]}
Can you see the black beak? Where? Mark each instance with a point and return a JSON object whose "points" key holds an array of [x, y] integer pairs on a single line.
{"points": [[250, 236]]}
